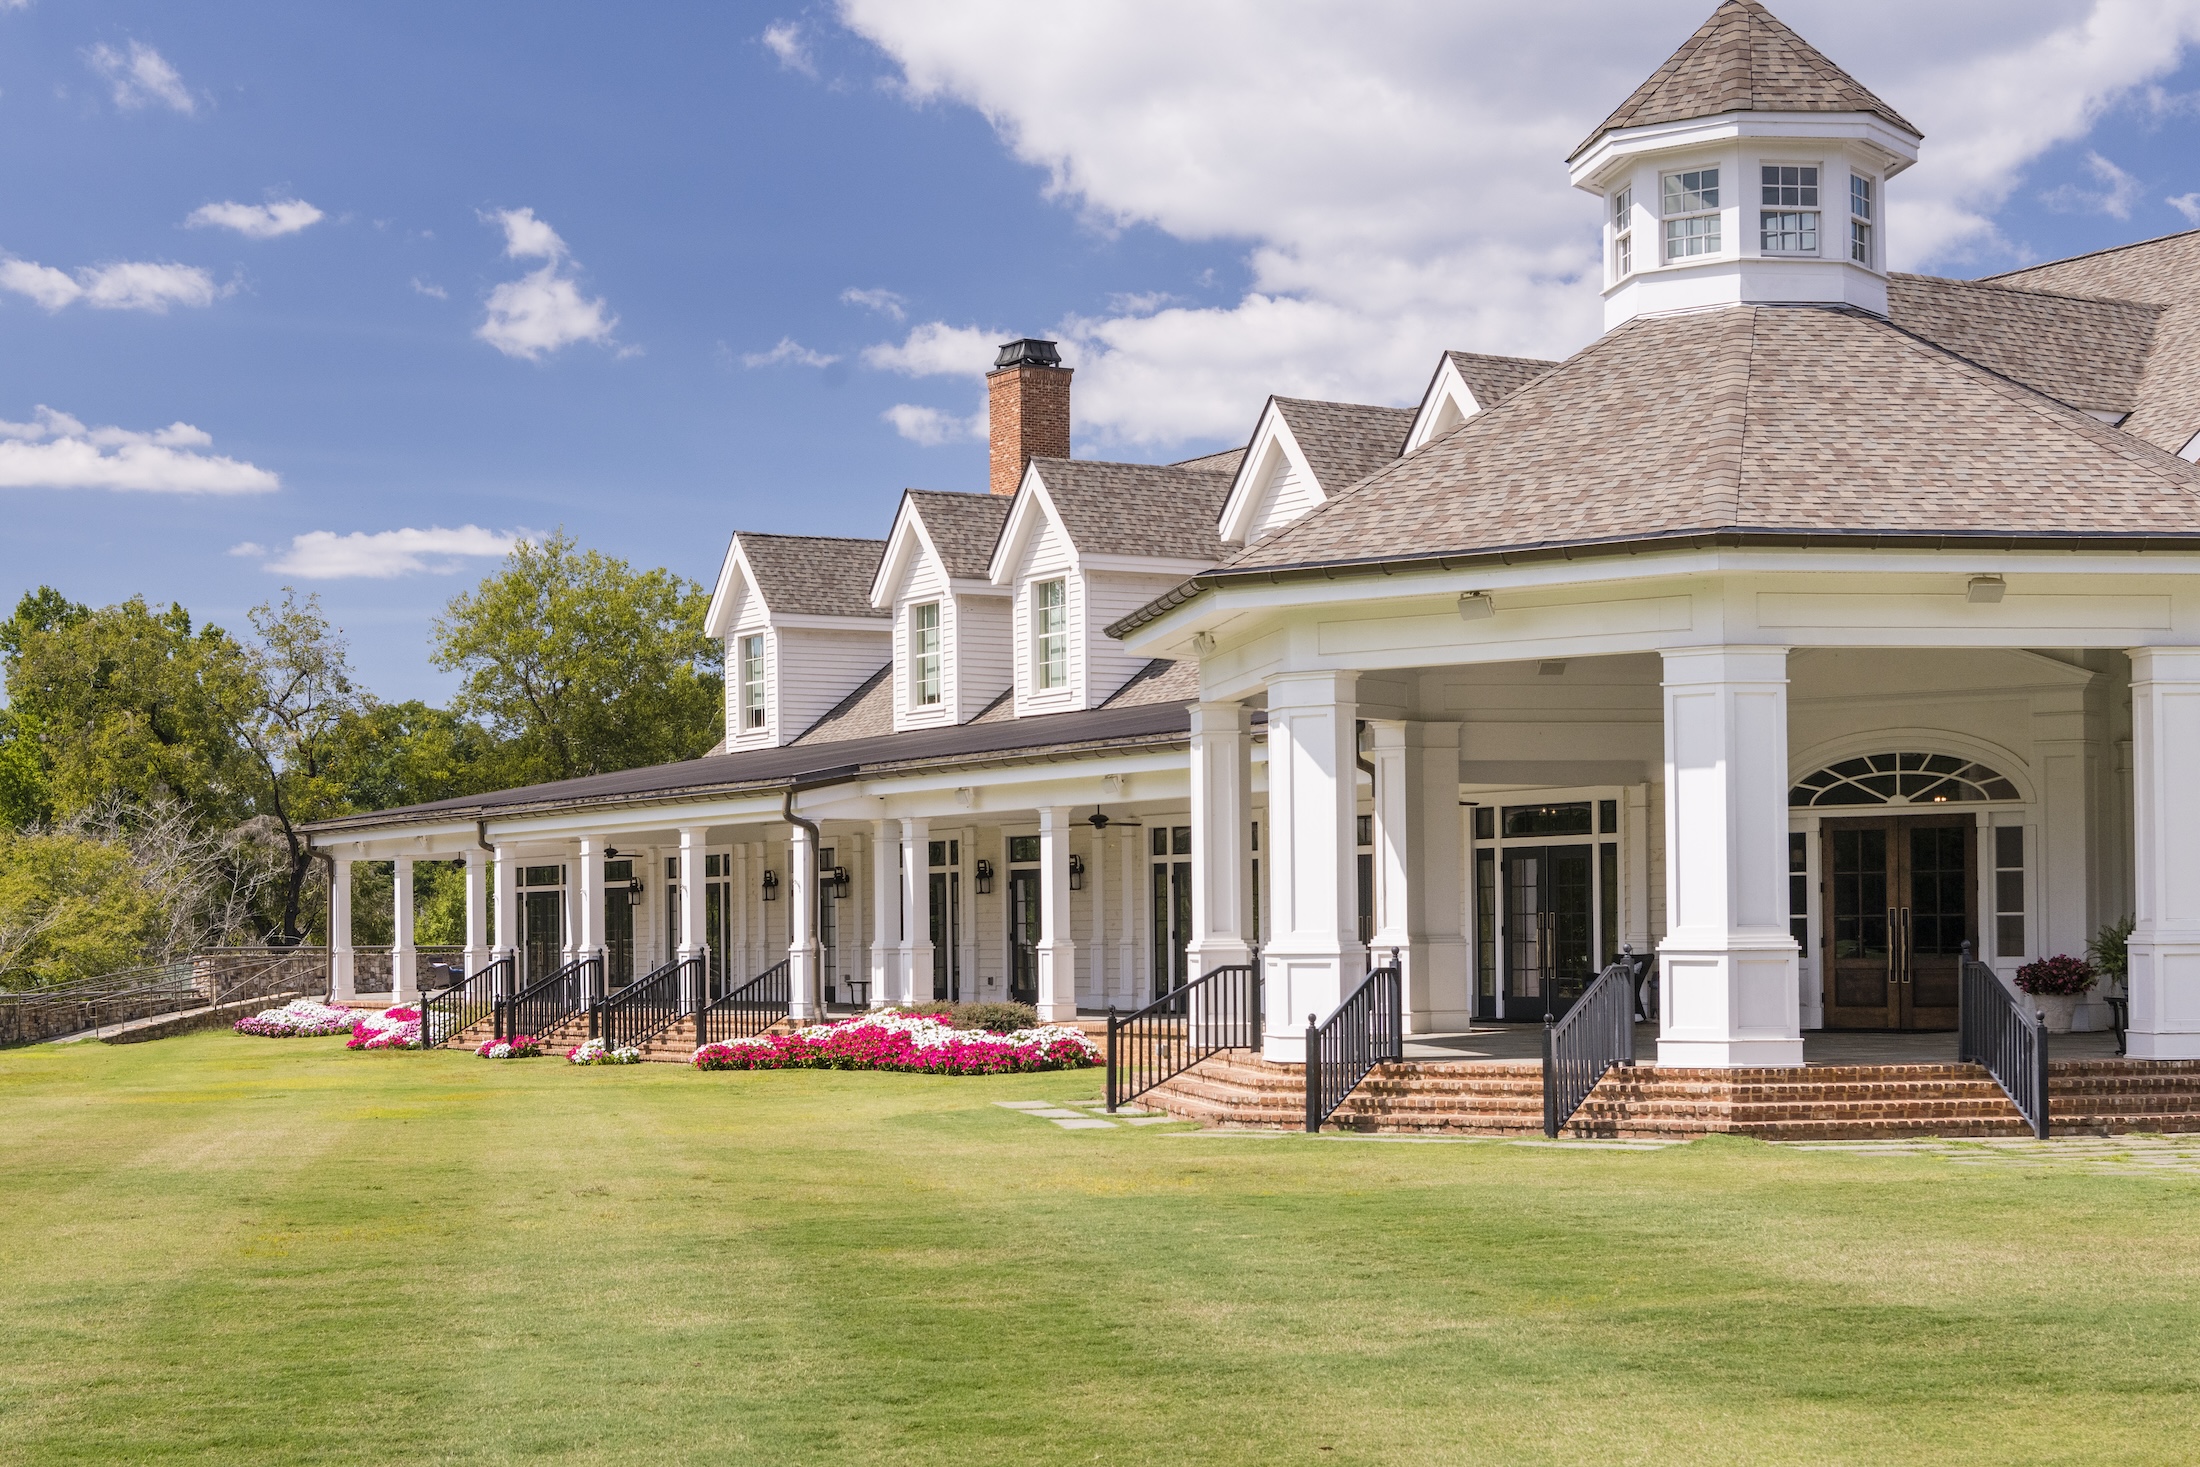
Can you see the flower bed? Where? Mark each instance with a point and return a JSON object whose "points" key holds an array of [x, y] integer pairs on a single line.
{"points": [[301, 1018], [592, 1052], [912, 1045], [524, 1046], [395, 1028]]}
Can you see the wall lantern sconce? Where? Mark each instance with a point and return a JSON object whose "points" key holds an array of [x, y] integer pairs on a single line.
{"points": [[985, 877], [633, 890], [1077, 873], [836, 877], [771, 886]]}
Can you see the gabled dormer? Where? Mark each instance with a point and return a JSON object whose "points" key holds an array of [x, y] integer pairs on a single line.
{"points": [[800, 631], [951, 624], [1748, 169], [1303, 452], [1467, 383], [1086, 544]]}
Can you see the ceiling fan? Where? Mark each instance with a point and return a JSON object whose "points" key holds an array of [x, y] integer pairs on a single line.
{"points": [[1099, 820]]}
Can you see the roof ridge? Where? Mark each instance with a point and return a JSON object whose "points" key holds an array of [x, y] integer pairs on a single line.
{"points": [[793, 535], [1991, 282], [2137, 244]]}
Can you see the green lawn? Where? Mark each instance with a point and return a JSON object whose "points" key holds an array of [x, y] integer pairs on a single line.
{"points": [[231, 1250]]}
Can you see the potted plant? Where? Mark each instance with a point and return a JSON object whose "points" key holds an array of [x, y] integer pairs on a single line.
{"points": [[2057, 984]]}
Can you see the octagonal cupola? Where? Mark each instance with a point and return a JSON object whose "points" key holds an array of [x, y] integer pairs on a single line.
{"points": [[1748, 169]]}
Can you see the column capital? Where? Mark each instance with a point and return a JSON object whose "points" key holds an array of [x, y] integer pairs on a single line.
{"points": [[2165, 664], [1312, 689], [1736, 663], [1221, 718]]}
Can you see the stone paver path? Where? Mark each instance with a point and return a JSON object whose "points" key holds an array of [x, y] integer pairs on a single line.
{"points": [[1085, 1115]]}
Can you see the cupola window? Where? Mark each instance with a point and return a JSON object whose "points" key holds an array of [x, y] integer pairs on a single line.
{"points": [[1789, 223], [1691, 214], [1860, 220], [1623, 237]]}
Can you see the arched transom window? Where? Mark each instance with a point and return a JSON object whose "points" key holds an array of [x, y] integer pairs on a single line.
{"points": [[1902, 779]]}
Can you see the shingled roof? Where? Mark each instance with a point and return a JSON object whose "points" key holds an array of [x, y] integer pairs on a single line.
{"points": [[2162, 272], [1791, 423], [1742, 60], [814, 575], [2088, 353], [1344, 442], [1137, 509], [1493, 379], [963, 527]]}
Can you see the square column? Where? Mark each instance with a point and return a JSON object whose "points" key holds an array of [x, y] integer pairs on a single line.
{"points": [[740, 961], [343, 972], [1056, 952], [802, 955], [1222, 858], [916, 911], [1420, 871], [1728, 968], [1126, 921], [1094, 988], [885, 910], [1313, 956], [2165, 945], [588, 910], [477, 911], [694, 986], [404, 964], [506, 945]]}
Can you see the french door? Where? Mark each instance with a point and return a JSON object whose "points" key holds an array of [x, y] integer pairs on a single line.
{"points": [[1023, 935], [1550, 927], [1900, 902], [943, 886], [542, 932]]}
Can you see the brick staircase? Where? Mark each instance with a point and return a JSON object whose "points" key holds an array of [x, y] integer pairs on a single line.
{"points": [[1822, 1102]]}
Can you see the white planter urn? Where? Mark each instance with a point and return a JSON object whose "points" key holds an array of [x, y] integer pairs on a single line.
{"points": [[2059, 1008]]}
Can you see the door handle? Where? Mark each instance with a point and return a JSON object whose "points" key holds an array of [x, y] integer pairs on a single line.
{"points": [[1894, 949], [1906, 945]]}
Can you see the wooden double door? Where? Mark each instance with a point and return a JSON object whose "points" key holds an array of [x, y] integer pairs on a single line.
{"points": [[1900, 901]]}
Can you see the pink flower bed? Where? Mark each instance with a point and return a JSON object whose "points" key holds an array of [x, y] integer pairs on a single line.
{"points": [[395, 1028], [301, 1018], [913, 1046], [524, 1046]]}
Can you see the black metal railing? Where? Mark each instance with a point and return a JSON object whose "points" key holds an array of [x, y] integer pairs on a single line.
{"points": [[646, 1007], [1999, 1029], [748, 1011], [1597, 1033], [1218, 1010], [447, 1012], [1366, 1029], [548, 1002]]}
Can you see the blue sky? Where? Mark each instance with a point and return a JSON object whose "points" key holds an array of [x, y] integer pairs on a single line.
{"points": [[1205, 205]]}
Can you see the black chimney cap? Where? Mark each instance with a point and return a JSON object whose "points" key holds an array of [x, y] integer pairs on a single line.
{"points": [[1029, 352]]}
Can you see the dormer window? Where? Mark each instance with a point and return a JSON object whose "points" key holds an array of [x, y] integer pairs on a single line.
{"points": [[1049, 635], [752, 681], [1691, 214], [1623, 237], [1789, 223], [924, 660], [1860, 220]]}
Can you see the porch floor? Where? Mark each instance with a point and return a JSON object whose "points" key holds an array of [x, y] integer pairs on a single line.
{"points": [[1515, 1043]]}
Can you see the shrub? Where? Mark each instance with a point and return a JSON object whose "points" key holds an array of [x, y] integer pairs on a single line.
{"points": [[395, 1028], [300, 1018], [2109, 950], [523, 1046], [996, 1018], [915, 1045], [2059, 976]]}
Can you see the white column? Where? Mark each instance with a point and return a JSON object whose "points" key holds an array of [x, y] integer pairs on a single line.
{"points": [[1222, 859], [885, 912], [1728, 966], [1127, 934], [1420, 871], [1056, 951], [740, 967], [800, 893], [343, 973], [588, 908], [477, 911], [507, 911], [2165, 945], [1094, 990], [916, 911], [404, 967], [693, 944], [1313, 955]]}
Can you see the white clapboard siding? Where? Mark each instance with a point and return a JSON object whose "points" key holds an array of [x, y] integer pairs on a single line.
{"points": [[1109, 597], [1047, 556], [925, 582], [1286, 497], [813, 669], [979, 653]]}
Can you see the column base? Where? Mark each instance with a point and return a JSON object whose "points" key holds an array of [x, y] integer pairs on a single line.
{"points": [[1731, 1054], [1205, 957], [343, 984], [1284, 1049], [2172, 1046], [404, 977], [1057, 983]]}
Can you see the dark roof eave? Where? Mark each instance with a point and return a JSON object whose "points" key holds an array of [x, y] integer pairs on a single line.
{"points": [[1331, 570]]}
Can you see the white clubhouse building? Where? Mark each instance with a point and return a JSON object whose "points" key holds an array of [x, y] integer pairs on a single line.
{"points": [[1812, 623]]}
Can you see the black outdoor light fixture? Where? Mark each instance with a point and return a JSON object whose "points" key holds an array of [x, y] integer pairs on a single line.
{"points": [[771, 886], [985, 877], [1076, 873], [837, 878]]}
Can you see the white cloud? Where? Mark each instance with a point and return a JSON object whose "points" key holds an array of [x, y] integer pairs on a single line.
{"points": [[885, 302], [2187, 205], [783, 38], [324, 555], [936, 349], [57, 451], [544, 310], [140, 77], [256, 221], [1396, 168], [432, 292], [2118, 191], [788, 350], [128, 285], [931, 427]]}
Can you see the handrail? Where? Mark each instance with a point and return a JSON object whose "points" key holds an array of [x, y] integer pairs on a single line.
{"points": [[211, 977], [1218, 1010], [1363, 1031], [1595, 1034], [1995, 1028], [549, 1002], [747, 1011], [449, 1012], [646, 1007]]}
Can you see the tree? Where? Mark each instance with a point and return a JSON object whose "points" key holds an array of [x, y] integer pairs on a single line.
{"points": [[584, 664]]}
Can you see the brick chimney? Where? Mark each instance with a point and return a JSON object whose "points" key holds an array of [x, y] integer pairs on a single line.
{"points": [[1028, 394]]}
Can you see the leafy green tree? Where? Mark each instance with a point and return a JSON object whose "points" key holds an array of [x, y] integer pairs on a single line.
{"points": [[584, 664], [72, 906], [393, 754]]}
